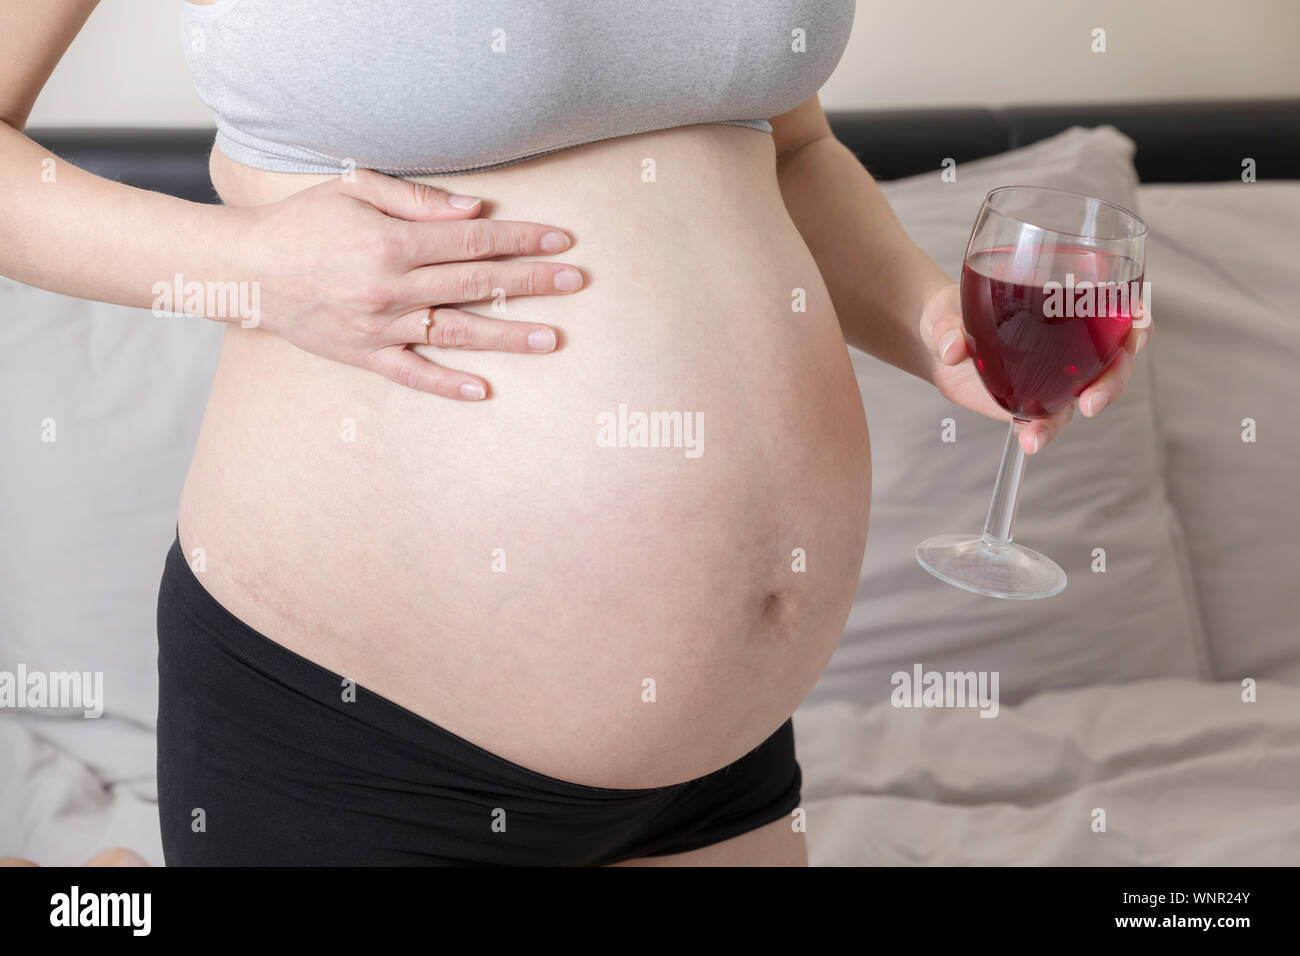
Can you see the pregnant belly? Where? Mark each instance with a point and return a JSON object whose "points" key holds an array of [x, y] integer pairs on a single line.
{"points": [[627, 567]]}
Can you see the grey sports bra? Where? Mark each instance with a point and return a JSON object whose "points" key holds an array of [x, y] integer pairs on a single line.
{"points": [[444, 86]]}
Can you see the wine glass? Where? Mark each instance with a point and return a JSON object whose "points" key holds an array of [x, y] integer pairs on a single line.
{"points": [[1050, 287]]}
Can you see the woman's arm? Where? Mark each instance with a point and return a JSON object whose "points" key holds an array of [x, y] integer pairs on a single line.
{"points": [[68, 231], [65, 230], [346, 270], [878, 278], [893, 300]]}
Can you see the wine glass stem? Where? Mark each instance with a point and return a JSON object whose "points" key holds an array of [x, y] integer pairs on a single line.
{"points": [[1001, 521]]}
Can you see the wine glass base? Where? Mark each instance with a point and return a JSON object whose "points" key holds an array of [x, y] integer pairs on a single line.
{"points": [[969, 562]]}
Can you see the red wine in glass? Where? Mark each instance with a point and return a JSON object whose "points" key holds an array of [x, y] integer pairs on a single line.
{"points": [[1049, 289], [1035, 347]]}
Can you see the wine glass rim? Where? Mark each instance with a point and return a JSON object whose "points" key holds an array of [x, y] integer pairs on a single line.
{"points": [[1141, 226]]}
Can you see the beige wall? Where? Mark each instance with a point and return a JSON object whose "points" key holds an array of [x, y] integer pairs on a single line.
{"points": [[999, 52], [126, 68]]}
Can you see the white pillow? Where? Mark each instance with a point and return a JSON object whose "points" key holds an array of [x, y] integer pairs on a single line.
{"points": [[88, 517], [1099, 485], [1226, 287]]}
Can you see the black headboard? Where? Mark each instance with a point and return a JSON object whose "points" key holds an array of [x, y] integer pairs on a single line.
{"points": [[1176, 142]]}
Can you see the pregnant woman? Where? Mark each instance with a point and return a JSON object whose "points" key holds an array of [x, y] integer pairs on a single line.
{"points": [[532, 501]]}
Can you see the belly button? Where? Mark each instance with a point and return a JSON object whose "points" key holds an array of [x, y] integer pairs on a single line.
{"points": [[777, 613]]}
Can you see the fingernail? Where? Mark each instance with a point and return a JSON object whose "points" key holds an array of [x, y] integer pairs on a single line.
{"points": [[541, 340], [1097, 402], [1142, 341], [462, 202], [555, 242], [945, 343], [472, 390], [1035, 443], [568, 280]]}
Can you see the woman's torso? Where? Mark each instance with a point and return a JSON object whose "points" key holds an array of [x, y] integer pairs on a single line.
{"points": [[495, 566]]}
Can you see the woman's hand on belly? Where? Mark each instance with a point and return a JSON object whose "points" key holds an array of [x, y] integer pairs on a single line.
{"points": [[357, 271]]}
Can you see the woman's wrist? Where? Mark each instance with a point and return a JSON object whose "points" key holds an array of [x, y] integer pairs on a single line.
{"points": [[226, 254], [222, 251], [188, 260]]}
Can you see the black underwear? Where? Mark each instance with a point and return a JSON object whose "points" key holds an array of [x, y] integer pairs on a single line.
{"points": [[261, 763]]}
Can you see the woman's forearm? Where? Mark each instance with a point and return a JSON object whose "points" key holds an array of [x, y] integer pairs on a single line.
{"points": [[879, 280], [66, 230], [353, 269]]}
